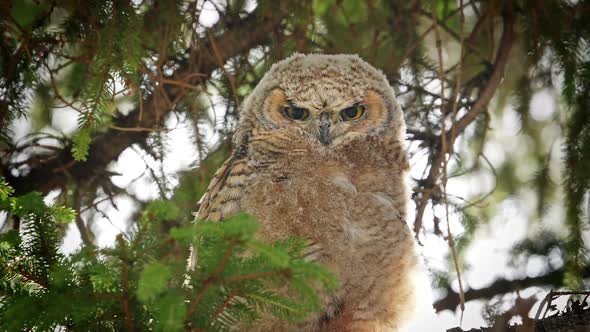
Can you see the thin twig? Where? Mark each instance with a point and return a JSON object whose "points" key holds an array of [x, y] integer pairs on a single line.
{"points": [[231, 79], [497, 74], [224, 306], [459, 72], [489, 193], [453, 34], [84, 231], [125, 297], [182, 84], [31, 278], [413, 46], [137, 129], [477, 108], [444, 151], [550, 297], [139, 94]]}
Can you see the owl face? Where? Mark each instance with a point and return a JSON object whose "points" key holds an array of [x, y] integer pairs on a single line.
{"points": [[324, 99], [322, 119]]}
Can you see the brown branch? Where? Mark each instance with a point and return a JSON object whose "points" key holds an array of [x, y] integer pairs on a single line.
{"points": [[575, 316], [503, 286], [125, 297], [478, 107], [444, 150], [224, 306], [29, 277], [210, 281], [552, 295], [468, 43], [220, 62], [495, 79], [106, 147], [85, 233]]}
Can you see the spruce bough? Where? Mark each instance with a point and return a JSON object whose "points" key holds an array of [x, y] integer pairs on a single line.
{"points": [[138, 283]]}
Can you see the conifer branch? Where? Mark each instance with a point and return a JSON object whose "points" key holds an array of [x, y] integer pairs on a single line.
{"points": [[254, 276], [224, 306], [210, 281], [105, 148], [125, 270], [29, 277], [85, 233]]}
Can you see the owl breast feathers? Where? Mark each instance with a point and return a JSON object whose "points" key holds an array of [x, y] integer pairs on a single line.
{"points": [[319, 154]]}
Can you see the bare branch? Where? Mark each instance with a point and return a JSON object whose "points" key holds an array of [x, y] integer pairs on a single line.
{"points": [[444, 150], [85, 233], [503, 286], [478, 107]]}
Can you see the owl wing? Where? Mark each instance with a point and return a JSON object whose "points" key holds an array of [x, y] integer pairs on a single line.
{"points": [[221, 200], [226, 188]]}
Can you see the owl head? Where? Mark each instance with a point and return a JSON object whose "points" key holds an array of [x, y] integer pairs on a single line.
{"points": [[323, 99]]}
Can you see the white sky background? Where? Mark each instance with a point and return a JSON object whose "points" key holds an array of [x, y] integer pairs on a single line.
{"points": [[488, 254]]}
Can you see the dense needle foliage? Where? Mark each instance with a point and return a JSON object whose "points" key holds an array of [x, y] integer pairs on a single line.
{"points": [[86, 84], [139, 284]]}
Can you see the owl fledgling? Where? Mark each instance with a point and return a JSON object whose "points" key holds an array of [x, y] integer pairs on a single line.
{"points": [[319, 154]]}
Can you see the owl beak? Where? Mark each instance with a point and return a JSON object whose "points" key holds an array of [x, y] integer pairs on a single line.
{"points": [[325, 126]]}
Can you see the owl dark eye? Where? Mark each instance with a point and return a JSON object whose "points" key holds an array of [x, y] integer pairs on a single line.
{"points": [[353, 113], [295, 113]]}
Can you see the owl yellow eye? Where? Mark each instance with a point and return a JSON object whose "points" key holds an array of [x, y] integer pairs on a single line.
{"points": [[295, 113], [353, 113]]}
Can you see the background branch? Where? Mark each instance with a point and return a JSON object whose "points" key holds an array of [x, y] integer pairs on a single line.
{"points": [[459, 126], [106, 147], [502, 286]]}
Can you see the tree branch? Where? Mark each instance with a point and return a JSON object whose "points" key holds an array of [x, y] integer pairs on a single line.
{"points": [[478, 107], [125, 297], [574, 317], [85, 233], [503, 286], [210, 281], [105, 148]]}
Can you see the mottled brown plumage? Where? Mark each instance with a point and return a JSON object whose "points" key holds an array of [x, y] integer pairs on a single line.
{"points": [[338, 182]]}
